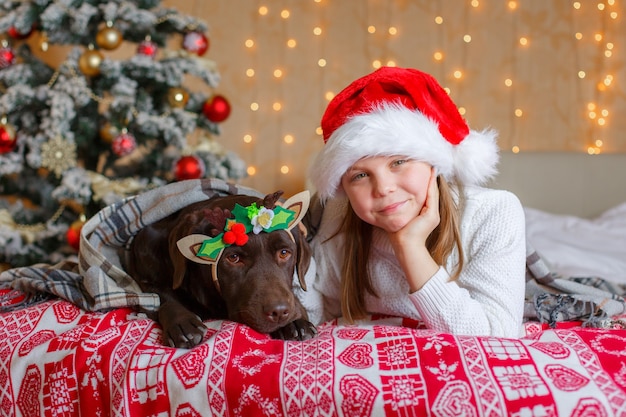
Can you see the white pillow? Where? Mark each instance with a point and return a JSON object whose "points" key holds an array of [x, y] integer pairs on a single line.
{"points": [[574, 246]]}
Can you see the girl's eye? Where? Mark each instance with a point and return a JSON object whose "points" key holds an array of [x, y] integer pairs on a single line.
{"points": [[399, 162], [358, 176]]}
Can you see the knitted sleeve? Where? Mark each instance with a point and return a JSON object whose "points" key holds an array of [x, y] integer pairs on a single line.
{"points": [[488, 297]]}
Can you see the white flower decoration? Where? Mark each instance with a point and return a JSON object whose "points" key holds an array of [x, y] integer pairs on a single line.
{"points": [[263, 220]]}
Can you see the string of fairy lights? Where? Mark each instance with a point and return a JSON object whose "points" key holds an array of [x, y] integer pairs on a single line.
{"points": [[387, 24]]}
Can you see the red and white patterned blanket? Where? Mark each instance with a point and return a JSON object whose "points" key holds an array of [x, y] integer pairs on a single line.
{"points": [[59, 360]]}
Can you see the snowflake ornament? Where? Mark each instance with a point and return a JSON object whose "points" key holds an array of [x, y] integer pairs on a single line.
{"points": [[58, 155]]}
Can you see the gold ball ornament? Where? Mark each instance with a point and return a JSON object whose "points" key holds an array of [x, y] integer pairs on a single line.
{"points": [[89, 62], [109, 38], [177, 97], [108, 132]]}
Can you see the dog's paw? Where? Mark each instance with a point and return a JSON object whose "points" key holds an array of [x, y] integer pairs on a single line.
{"points": [[299, 329], [184, 332]]}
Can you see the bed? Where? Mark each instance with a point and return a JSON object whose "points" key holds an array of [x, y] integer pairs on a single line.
{"points": [[63, 358]]}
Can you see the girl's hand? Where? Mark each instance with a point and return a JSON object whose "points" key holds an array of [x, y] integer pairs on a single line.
{"points": [[409, 243]]}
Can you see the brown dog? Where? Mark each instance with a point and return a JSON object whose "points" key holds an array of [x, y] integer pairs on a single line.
{"points": [[254, 284]]}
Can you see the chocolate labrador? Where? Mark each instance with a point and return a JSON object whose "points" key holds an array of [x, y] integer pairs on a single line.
{"points": [[228, 257]]}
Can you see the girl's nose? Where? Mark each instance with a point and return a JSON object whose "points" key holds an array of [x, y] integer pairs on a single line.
{"points": [[384, 185]]}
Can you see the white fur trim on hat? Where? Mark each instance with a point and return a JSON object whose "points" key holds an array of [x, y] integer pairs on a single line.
{"points": [[392, 129]]}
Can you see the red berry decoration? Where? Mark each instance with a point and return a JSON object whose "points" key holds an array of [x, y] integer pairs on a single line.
{"points": [[196, 43], [8, 138], [7, 57], [73, 234], [236, 234], [229, 237], [124, 144], [238, 228], [216, 108], [189, 167], [147, 48]]}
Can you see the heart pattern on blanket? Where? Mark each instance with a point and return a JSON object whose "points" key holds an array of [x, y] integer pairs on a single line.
{"points": [[29, 390], [565, 378], [454, 399], [352, 334], [38, 338], [190, 367], [554, 349], [65, 312], [589, 407], [359, 395], [357, 355], [186, 410]]}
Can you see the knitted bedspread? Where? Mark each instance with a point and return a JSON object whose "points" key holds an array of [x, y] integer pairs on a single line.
{"points": [[97, 282]]}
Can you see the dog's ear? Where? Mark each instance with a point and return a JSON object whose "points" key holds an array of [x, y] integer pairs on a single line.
{"points": [[299, 203], [179, 262], [303, 255], [180, 266]]}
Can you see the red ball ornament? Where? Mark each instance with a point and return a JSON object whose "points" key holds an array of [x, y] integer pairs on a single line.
{"points": [[15, 34], [124, 144], [216, 108], [196, 43], [189, 167], [147, 48], [7, 57], [73, 234], [8, 138]]}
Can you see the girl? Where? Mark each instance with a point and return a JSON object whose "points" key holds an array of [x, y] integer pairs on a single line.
{"points": [[406, 228]]}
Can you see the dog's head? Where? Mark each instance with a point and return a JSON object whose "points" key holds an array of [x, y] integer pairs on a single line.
{"points": [[253, 247]]}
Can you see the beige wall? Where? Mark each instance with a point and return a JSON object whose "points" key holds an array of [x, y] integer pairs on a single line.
{"points": [[546, 85]]}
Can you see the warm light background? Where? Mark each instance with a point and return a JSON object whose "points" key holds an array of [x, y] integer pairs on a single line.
{"points": [[548, 75]]}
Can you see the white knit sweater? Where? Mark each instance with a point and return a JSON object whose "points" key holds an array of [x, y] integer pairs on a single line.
{"points": [[486, 299]]}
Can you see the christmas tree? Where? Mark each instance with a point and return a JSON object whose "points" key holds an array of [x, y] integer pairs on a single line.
{"points": [[97, 126]]}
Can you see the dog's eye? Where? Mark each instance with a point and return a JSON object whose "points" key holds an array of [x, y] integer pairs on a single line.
{"points": [[284, 254], [233, 258]]}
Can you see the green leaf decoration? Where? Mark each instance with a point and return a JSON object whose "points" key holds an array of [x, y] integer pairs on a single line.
{"points": [[211, 248], [282, 219], [241, 216]]}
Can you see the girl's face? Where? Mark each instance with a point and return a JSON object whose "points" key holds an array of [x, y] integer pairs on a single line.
{"points": [[387, 191]]}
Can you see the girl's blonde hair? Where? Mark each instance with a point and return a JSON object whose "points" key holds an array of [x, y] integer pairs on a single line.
{"points": [[356, 281]]}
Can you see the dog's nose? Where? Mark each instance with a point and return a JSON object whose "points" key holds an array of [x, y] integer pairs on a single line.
{"points": [[277, 313]]}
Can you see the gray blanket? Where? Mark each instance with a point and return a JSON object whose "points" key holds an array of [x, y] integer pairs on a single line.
{"points": [[97, 281]]}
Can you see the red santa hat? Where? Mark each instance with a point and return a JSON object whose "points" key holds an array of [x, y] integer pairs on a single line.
{"points": [[401, 111]]}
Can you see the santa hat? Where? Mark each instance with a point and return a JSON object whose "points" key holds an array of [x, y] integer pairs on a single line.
{"points": [[401, 111]]}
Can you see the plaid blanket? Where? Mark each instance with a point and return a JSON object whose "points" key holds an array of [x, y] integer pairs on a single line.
{"points": [[551, 298], [98, 282]]}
